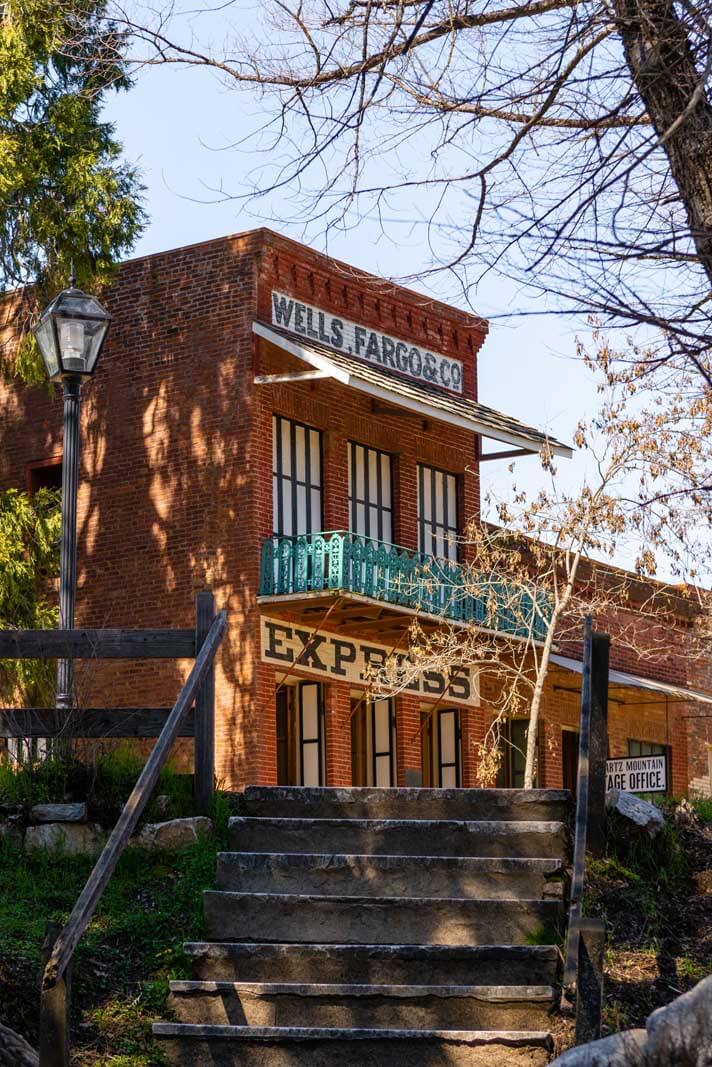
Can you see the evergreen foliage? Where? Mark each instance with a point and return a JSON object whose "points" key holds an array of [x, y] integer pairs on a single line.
{"points": [[29, 560], [66, 197]]}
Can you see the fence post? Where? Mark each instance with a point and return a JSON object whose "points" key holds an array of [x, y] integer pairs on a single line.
{"points": [[589, 984], [54, 1010], [598, 745], [204, 778]]}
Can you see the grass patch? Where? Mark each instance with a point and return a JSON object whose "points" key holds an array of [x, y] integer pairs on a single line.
{"points": [[133, 947], [104, 782]]}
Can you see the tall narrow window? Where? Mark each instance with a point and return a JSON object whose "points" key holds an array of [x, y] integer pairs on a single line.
{"points": [[296, 478], [370, 493], [311, 734], [437, 513]]}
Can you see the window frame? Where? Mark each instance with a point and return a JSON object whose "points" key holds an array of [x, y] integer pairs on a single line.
{"points": [[280, 479], [50, 462], [450, 533], [368, 503]]}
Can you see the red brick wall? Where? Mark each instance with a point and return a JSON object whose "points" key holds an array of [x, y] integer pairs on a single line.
{"points": [[176, 459]]}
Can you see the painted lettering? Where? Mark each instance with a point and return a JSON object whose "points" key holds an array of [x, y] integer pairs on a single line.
{"points": [[415, 362], [299, 317], [311, 332], [402, 356], [433, 682], [276, 635], [373, 349], [344, 652], [459, 688], [374, 658], [388, 347], [337, 333], [445, 377], [309, 655], [359, 338], [282, 309], [430, 367]]}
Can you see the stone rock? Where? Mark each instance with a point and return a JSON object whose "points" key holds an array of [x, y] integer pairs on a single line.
{"points": [[162, 805], [626, 1049], [176, 833], [640, 814], [42, 813], [15, 1051], [69, 837], [684, 814], [680, 1034], [703, 882]]}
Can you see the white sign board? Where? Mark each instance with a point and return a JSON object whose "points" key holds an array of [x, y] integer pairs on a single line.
{"points": [[637, 774], [352, 659], [390, 353]]}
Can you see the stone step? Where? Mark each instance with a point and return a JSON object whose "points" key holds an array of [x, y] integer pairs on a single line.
{"points": [[378, 876], [383, 964], [416, 1007], [539, 805], [399, 837], [189, 1045], [385, 920]]}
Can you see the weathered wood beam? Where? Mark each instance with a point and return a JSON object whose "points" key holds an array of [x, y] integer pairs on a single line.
{"points": [[204, 777], [89, 722], [97, 644], [298, 376], [511, 453]]}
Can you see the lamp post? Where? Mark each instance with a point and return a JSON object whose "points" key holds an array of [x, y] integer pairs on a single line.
{"points": [[70, 335]]}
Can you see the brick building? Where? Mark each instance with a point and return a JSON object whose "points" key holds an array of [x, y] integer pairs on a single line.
{"points": [[270, 423]]}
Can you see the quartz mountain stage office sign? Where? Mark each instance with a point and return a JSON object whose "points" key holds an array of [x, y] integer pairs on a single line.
{"points": [[638, 774], [333, 658], [391, 353]]}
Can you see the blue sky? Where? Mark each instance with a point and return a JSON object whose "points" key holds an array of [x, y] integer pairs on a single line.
{"points": [[174, 124]]}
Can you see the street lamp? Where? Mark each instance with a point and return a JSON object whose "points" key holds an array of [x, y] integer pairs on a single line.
{"points": [[70, 335]]}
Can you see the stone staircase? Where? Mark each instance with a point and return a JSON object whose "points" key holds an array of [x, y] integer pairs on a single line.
{"points": [[379, 927]]}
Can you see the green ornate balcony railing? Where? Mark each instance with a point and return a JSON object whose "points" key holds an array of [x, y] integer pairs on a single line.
{"points": [[339, 561]]}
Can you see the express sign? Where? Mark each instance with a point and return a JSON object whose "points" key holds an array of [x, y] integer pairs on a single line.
{"points": [[333, 658], [639, 774], [373, 346]]}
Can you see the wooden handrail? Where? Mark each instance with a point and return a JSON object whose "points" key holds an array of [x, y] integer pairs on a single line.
{"points": [[85, 906], [581, 824], [589, 836]]}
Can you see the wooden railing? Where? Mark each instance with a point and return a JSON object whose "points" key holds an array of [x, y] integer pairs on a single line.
{"points": [[198, 689], [583, 968]]}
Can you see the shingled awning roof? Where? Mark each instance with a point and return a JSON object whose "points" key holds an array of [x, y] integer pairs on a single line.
{"points": [[429, 401]]}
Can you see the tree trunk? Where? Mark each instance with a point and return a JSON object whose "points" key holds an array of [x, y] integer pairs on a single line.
{"points": [[660, 58]]}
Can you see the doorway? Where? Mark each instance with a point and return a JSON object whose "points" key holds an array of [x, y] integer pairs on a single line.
{"points": [[373, 742], [513, 749], [301, 749], [440, 749], [569, 758]]}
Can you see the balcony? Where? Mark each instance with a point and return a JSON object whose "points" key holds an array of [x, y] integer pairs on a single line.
{"points": [[338, 562]]}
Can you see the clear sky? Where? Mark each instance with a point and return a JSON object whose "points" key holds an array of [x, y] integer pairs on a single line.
{"points": [[174, 124]]}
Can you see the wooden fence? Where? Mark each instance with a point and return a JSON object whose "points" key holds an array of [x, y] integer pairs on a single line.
{"points": [[89, 644]]}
